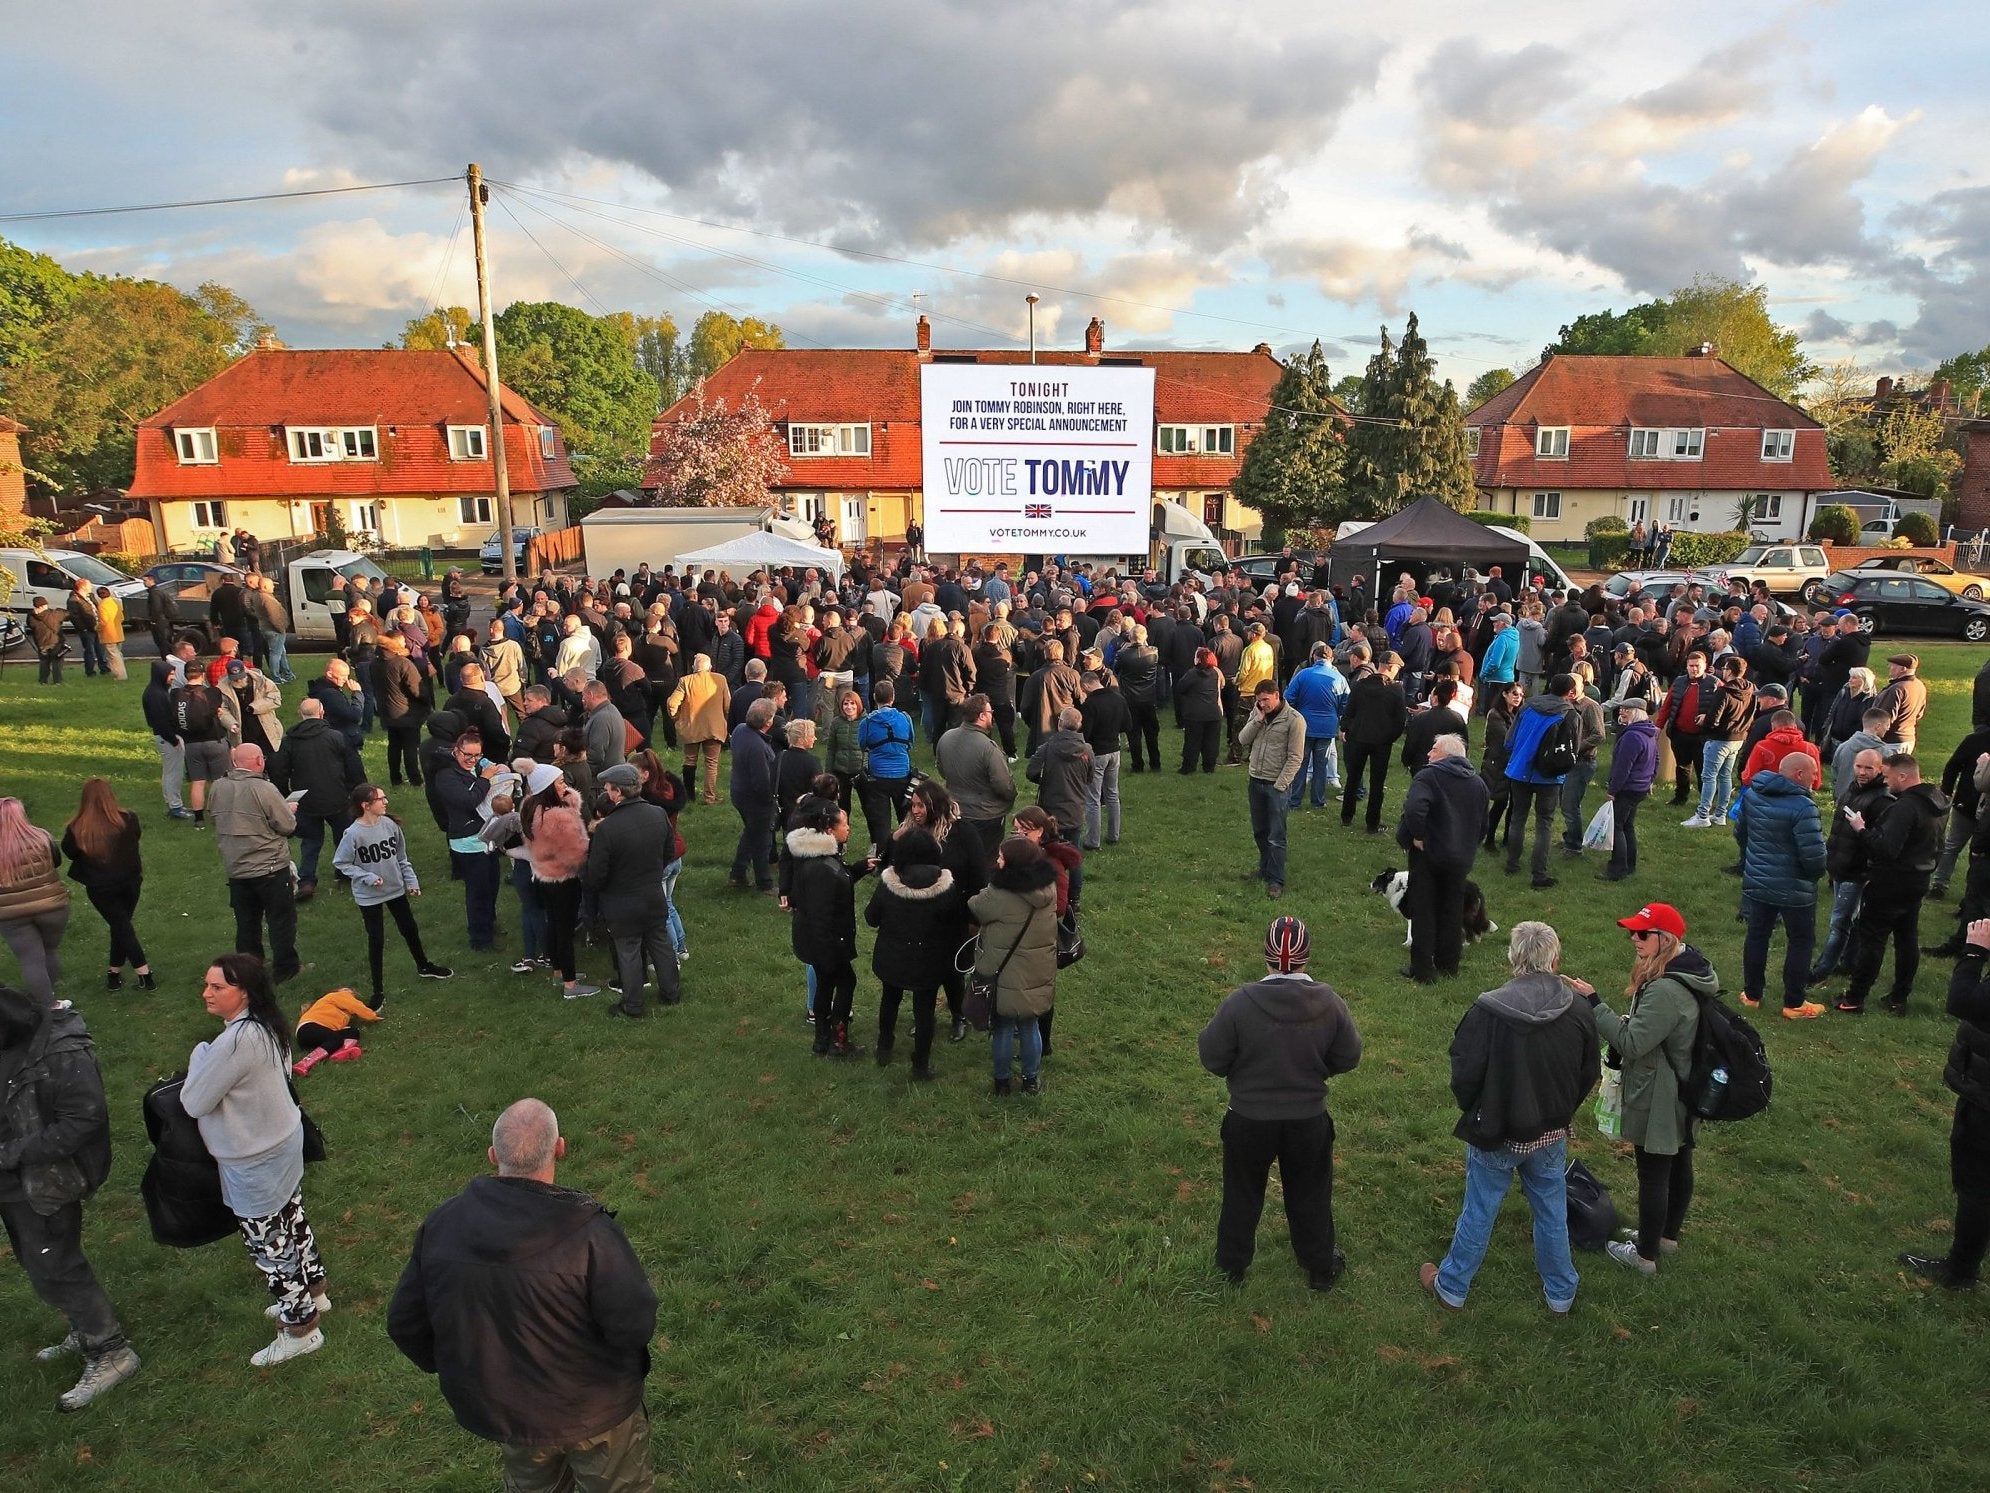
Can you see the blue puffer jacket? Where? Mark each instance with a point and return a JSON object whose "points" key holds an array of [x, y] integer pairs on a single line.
{"points": [[1317, 692], [1536, 719], [1782, 842]]}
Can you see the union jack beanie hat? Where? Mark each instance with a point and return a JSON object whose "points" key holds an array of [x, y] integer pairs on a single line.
{"points": [[1287, 945]]}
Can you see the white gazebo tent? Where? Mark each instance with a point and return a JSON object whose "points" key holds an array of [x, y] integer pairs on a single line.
{"points": [[764, 551]]}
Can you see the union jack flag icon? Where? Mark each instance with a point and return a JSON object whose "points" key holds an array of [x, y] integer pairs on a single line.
{"points": [[1036, 510]]}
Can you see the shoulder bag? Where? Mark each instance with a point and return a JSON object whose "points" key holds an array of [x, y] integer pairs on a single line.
{"points": [[979, 1006]]}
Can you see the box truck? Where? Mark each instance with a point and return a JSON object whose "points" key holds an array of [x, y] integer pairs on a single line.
{"points": [[622, 538]]}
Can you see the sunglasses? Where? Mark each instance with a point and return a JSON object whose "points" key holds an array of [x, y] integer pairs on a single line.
{"points": [[1644, 933]]}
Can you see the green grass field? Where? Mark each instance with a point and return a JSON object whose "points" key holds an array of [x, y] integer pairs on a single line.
{"points": [[871, 1284]]}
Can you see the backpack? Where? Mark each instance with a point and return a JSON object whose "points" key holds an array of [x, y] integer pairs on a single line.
{"points": [[1730, 1077], [1555, 756]]}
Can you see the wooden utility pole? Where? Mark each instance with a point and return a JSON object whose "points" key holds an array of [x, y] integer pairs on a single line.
{"points": [[478, 193]]}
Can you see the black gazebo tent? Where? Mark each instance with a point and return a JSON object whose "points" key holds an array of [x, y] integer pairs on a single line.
{"points": [[1420, 538]]}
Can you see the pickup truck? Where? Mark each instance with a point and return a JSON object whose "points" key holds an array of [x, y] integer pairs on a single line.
{"points": [[1786, 569]]}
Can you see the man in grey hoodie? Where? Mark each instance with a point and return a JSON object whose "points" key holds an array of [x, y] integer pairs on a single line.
{"points": [[1276, 1042], [1523, 1059]]}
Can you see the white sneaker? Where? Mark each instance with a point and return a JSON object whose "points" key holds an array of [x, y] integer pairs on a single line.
{"points": [[1625, 1252], [1698, 821], [318, 1298], [575, 991], [286, 1347], [100, 1374]]}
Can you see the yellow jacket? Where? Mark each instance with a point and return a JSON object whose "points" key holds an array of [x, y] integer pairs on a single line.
{"points": [[1258, 662], [337, 1011], [110, 620]]}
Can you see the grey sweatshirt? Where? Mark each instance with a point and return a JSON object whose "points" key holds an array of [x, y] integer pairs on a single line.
{"points": [[237, 1087], [376, 853], [1277, 1042]]}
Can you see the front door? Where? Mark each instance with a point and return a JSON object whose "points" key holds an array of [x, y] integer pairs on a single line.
{"points": [[321, 518], [855, 529]]}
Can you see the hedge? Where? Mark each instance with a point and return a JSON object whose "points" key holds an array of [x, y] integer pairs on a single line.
{"points": [[1836, 522], [1691, 551], [1918, 528], [1520, 523]]}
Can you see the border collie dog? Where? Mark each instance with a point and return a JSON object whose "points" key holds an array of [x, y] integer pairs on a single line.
{"points": [[1394, 886]]}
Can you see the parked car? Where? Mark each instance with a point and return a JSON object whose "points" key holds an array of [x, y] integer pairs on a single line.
{"points": [[1261, 570], [192, 584], [1659, 583], [1962, 582], [1786, 569], [1890, 603], [54, 573], [490, 555]]}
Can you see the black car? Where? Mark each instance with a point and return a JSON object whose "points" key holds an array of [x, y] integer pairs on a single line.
{"points": [[1884, 602], [192, 584], [1261, 570]]}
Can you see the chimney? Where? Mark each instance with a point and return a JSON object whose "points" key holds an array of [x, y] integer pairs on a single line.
{"points": [[1883, 390], [925, 334], [1938, 394], [1095, 337], [268, 343], [1704, 350]]}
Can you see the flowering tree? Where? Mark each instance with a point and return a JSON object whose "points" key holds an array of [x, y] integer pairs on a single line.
{"points": [[715, 457]]}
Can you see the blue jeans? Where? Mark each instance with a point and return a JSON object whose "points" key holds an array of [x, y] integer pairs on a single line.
{"points": [[670, 874], [1268, 811], [531, 910], [1800, 923], [1717, 777], [1102, 801], [479, 875], [1321, 767], [279, 657], [1010, 1029], [95, 660], [1573, 787], [1836, 953], [311, 840], [1488, 1176]]}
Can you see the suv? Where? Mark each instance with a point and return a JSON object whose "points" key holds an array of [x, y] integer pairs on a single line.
{"points": [[490, 554], [1786, 569]]}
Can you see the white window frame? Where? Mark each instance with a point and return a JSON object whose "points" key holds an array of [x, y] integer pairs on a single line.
{"points": [[1779, 445], [462, 438], [365, 518], [1768, 505], [210, 513], [1687, 444], [548, 447], [1472, 441], [358, 443], [1645, 443], [1551, 443], [474, 508], [314, 445], [1547, 505], [1677, 510], [196, 446], [814, 439], [1195, 440], [1640, 508]]}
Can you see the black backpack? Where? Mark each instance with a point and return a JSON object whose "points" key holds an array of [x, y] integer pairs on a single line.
{"points": [[1730, 1077], [1554, 757]]}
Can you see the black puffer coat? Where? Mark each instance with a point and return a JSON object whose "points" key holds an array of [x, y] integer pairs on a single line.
{"points": [[920, 915], [821, 891]]}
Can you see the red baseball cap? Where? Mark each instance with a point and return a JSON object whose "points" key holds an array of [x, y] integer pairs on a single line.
{"points": [[1661, 916]]}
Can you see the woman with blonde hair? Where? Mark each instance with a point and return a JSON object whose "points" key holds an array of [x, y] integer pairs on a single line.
{"points": [[1848, 710], [1653, 1041], [102, 845], [34, 904]]}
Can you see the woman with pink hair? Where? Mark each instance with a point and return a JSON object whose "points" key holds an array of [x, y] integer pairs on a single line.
{"points": [[34, 904]]}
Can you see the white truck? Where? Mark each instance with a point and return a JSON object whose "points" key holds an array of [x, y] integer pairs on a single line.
{"points": [[622, 538]]}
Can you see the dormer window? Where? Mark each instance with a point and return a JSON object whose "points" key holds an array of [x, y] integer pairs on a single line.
{"points": [[195, 447], [1779, 445], [466, 443], [316, 443], [829, 440], [1551, 442]]}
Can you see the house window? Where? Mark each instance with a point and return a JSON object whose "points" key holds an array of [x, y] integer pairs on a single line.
{"points": [[1547, 505], [365, 518], [196, 447], [332, 443], [1675, 510], [1767, 505], [829, 440], [466, 443], [1640, 509], [548, 447], [1212, 509], [356, 443], [1471, 440], [1654, 444], [1552, 442], [1686, 444], [210, 515], [1779, 445], [474, 510], [1196, 440], [1645, 444]]}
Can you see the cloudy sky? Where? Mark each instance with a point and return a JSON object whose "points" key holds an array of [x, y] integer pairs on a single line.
{"points": [[1196, 175]]}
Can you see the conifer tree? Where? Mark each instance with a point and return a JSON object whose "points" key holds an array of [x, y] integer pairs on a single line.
{"points": [[1292, 469]]}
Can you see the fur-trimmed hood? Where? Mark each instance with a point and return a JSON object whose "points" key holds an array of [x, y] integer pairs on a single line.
{"points": [[917, 883], [809, 844], [1024, 879]]}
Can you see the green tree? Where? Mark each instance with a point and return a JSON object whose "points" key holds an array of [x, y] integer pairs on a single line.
{"points": [[1968, 376], [1410, 441], [716, 337], [1487, 384], [441, 326], [115, 351], [715, 457], [1733, 317], [1916, 451], [581, 370], [1292, 472], [1347, 393], [33, 291], [653, 342]]}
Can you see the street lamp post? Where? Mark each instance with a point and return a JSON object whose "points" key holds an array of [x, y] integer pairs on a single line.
{"points": [[1031, 298]]}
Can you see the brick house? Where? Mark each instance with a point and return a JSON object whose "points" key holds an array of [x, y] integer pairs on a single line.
{"points": [[395, 441], [850, 424], [1686, 441]]}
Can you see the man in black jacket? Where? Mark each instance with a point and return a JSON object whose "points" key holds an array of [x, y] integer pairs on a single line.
{"points": [[460, 788], [529, 1303], [1902, 846], [1522, 1061], [1845, 862], [1062, 768], [320, 761], [1375, 717], [632, 846], [480, 712], [1444, 819], [1967, 1073], [55, 1151], [542, 725]]}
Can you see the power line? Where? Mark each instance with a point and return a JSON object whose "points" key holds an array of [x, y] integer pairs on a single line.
{"points": [[160, 207]]}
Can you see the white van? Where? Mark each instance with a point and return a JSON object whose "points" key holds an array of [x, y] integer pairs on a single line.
{"points": [[54, 574]]}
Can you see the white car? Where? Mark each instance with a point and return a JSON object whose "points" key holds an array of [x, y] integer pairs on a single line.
{"points": [[490, 555]]}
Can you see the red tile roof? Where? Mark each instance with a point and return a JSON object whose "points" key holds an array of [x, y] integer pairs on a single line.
{"points": [[1602, 399], [880, 386], [408, 397]]}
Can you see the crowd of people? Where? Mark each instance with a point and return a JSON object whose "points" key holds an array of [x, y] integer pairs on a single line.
{"points": [[559, 746]]}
